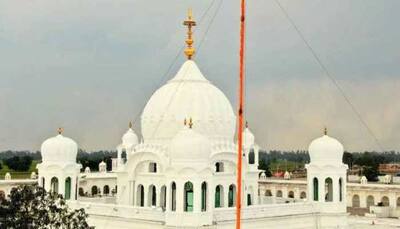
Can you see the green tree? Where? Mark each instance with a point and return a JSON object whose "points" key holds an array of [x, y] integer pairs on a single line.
{"points": [[263, 165], [348, 159], [18, 163], [30, 206]]}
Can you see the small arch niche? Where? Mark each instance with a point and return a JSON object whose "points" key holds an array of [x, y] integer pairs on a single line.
{"points": [[219, 167]]}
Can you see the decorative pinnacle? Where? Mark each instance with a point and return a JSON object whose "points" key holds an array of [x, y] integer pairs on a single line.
{"points": [[190, 123], [130, 125], [247, 124], [184, 122], [325, 131], [189, 51], [60, 130]]}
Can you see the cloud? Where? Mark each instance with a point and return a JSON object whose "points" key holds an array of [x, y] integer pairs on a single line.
{"points": [[90, 66]]}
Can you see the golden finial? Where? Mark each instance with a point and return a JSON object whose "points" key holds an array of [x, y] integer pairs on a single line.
{"points": [[190, 123], [60, 130], [189, 51], [130, 125], [184, 122], [325, 131]]}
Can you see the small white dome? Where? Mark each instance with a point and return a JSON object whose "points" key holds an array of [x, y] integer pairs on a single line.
{"points": [[326, 150], [130, 138], [87, 169], [7, 176], [189, 146], [59, 149], [248, 138]]}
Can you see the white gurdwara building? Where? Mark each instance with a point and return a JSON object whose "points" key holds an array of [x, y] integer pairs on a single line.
{"points": [[182, 173]]}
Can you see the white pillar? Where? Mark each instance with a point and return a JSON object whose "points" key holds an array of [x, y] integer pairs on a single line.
{"points": [[168, 197], [158, 196], [146, 194], [197, 197], [179, 197], [335, 189], [226, 196], [321, 189]]}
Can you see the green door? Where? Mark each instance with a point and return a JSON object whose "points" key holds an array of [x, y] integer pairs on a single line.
{"points": [[68, 188]]}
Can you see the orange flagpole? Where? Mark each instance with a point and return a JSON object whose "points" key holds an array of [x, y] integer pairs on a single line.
{"points": [[240, 115]]}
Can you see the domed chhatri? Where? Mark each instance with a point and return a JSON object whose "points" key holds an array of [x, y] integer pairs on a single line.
{"points": [[59, 149], [189, 93], [189, 146], [326, 150], [130, 138]]}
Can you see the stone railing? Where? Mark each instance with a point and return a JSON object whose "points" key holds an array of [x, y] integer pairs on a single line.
{"points": [[124, 211], [262, 211]]}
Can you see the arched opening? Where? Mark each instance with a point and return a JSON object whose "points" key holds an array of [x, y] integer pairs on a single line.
{"points": [[219, 196], [152, 167], [370, 201], [398, 202], [340, 189], [204, 196], [303, 195], [140, 196], [163, 197], [173, 196], [251, 157], [232, 195], [68, 188], [385, 201], [152, 201], [328, 190], [219, 167], [188, 200], [315, 189], [94, 190], [291, 194], [250, 195], [43, 182], [124, 156], [355, 201], [106, 190], [268, 192], [54, 184], [279, 193], [81, 192]]}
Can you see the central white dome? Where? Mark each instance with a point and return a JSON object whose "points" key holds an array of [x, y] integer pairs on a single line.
{"points": [[188, 94]]}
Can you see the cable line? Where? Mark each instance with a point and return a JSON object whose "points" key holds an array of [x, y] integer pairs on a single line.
{"points": [[175, 59], [334, 81]]}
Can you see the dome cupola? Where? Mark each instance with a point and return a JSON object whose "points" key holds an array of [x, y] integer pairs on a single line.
{"points": [[189, 146], [130, 138], [59, 149], [326, 151]]}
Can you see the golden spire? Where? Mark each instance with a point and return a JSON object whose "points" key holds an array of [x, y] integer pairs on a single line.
{"points": [[189, 51], [60, 130], [325, 131], [190, 123], [130, 125]]}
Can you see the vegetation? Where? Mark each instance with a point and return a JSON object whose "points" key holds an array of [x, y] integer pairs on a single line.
{"points": [[30, 206], [17, 163]]}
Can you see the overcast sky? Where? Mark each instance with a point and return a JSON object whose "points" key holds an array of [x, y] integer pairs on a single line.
{"points": [[91, 65]]}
